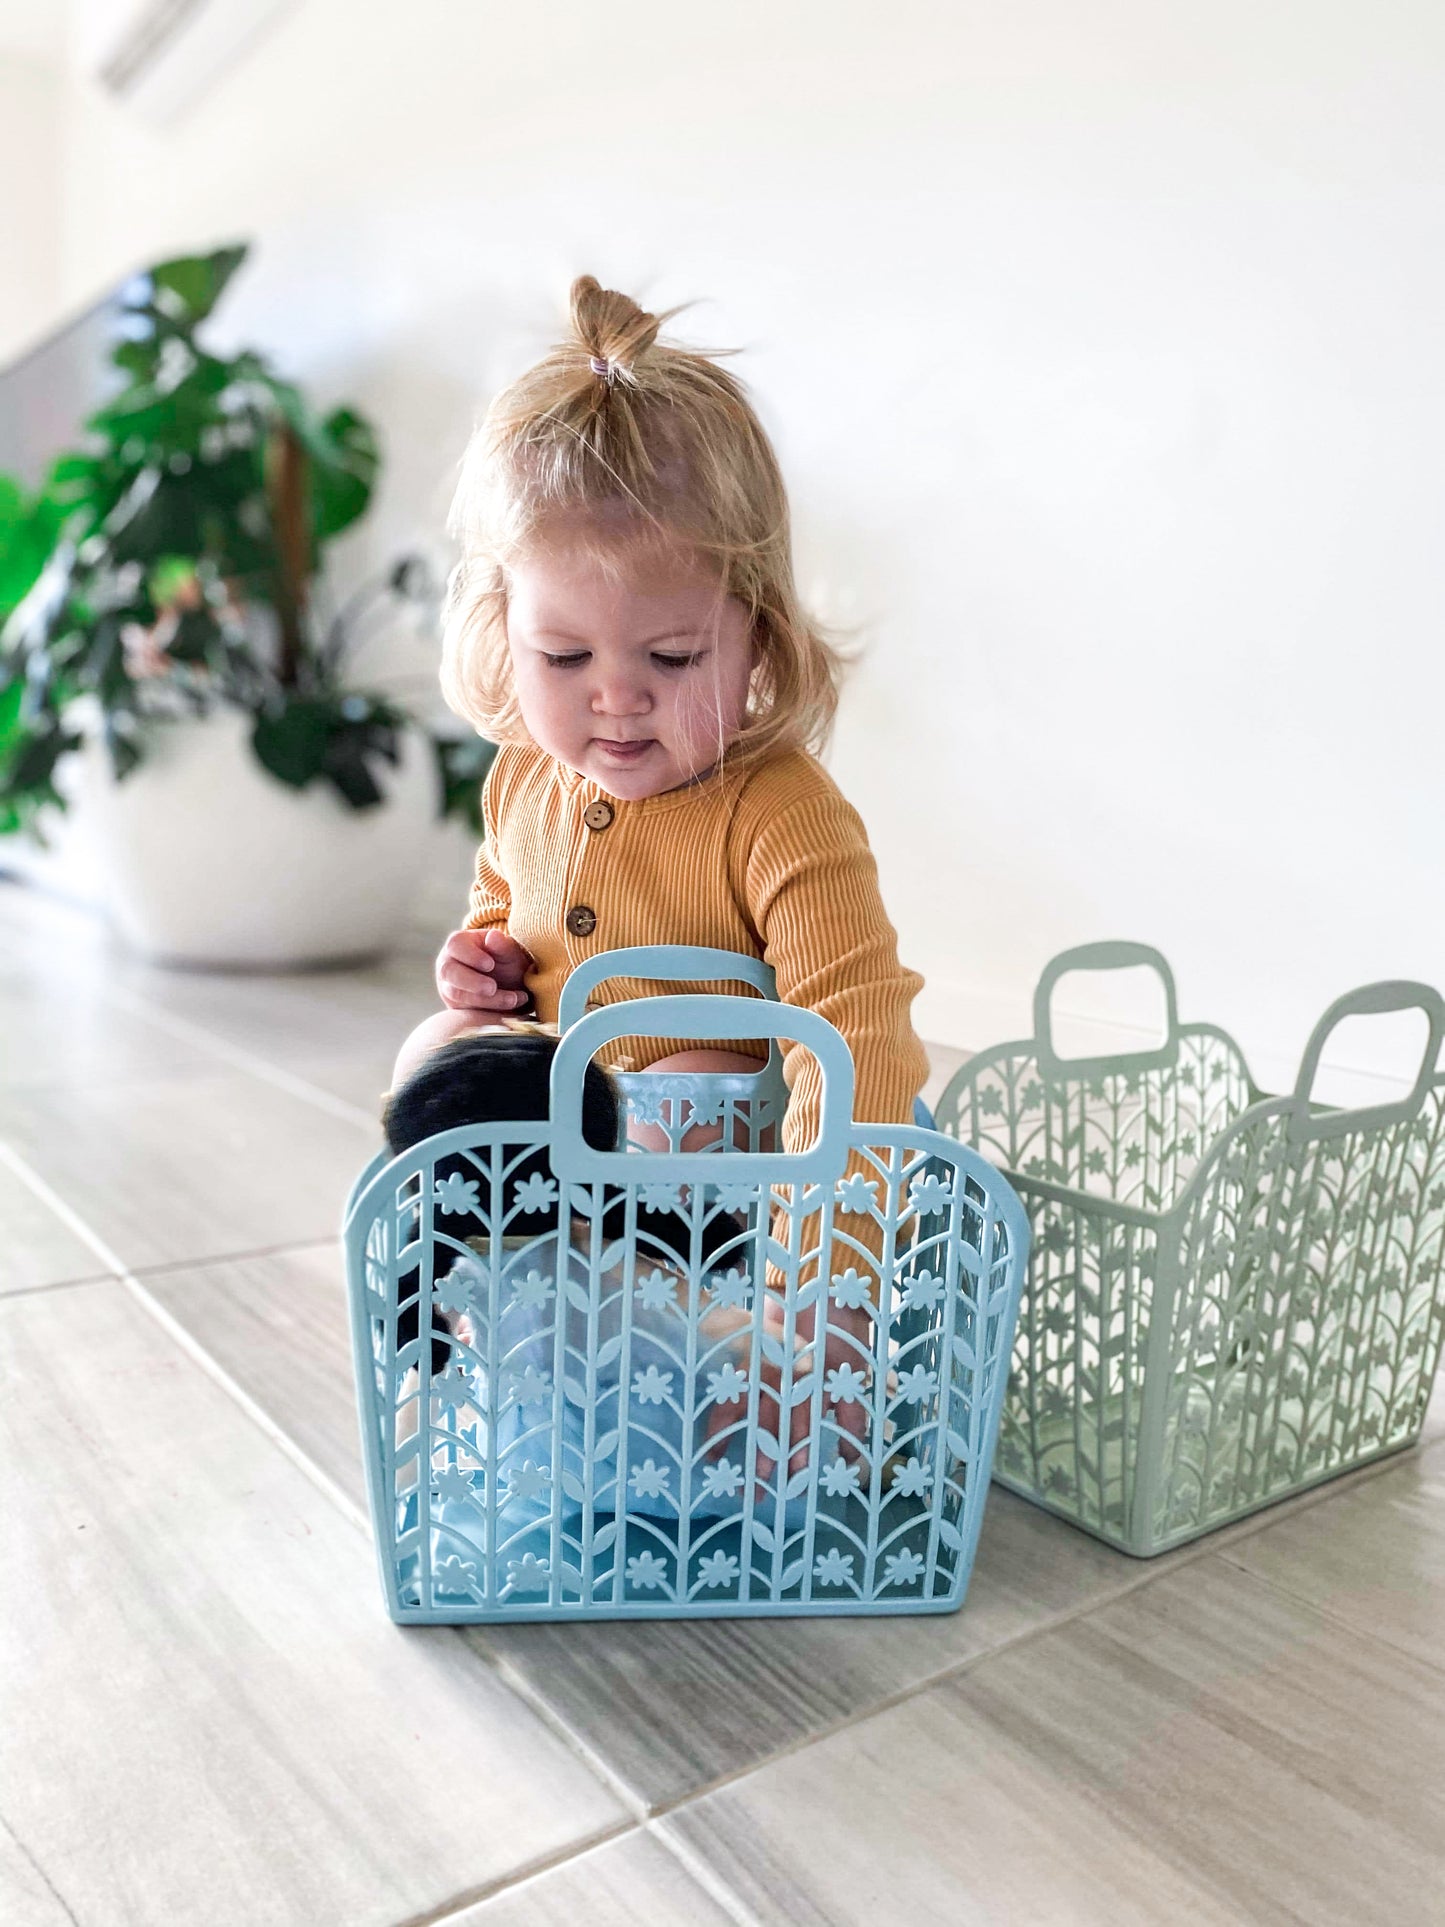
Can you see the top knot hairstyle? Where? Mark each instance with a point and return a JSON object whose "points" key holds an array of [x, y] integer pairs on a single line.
{"points": [[618, 438]]}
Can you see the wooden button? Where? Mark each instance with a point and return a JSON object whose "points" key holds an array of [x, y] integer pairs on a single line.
{"points": [[581, 921], [598, 815]]}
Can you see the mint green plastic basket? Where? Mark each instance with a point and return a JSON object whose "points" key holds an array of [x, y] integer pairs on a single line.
{"points": [[1230, 1297]]}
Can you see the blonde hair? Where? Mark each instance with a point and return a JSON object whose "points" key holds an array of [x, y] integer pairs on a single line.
{"points": [[633, 441]]}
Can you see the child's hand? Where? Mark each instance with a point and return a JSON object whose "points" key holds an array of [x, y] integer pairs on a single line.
{"points": [[483, 970]]}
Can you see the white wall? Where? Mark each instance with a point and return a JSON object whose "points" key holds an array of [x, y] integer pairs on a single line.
{"points": [[1101, 344], [30, 294]]}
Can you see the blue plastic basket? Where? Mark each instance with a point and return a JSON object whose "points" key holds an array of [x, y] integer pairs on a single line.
{"points": [[585, 1452]]}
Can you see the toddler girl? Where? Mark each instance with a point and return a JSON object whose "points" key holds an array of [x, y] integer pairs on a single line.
{"points": [[624, 623]]}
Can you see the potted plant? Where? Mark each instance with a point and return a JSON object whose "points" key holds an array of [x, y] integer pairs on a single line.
{"points": [[163, 627]]}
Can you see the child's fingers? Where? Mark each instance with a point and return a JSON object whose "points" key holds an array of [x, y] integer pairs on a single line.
{"points": [[474, 991], [505, 948]]}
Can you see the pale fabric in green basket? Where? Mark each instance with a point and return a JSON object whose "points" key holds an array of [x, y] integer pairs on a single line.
{"points": [[1230, 1297]]}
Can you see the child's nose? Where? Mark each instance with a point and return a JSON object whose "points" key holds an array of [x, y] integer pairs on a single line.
{"points": [[621, 697]]}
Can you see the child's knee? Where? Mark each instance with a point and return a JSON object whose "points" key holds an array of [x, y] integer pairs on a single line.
{"points": [[427, 1037]]}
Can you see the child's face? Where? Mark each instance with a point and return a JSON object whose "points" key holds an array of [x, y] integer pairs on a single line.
{"points": [[635, 675]]}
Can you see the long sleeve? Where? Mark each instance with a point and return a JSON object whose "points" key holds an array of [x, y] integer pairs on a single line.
{"points": [[812, 888], [491, 894]]}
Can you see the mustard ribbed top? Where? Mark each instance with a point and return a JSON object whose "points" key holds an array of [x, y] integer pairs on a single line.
{"points": [[769, 859]]}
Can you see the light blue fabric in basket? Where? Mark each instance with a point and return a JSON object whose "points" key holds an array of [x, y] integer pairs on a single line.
{"points": [[534, 1446]]}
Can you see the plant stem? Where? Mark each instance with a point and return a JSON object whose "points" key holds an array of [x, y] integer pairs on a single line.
{"points": [[287, 485]]}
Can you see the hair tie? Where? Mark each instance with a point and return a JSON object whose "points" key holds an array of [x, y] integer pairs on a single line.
{"points": [[600, 365]]}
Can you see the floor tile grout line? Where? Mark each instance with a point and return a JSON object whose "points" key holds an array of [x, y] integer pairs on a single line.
{"points": [[173, 1264], [251, 1062], [703, 1872], [455, 1905], [1199, 1549], [167, 1265], [120, 1272], [518, 1683], [1335, 1618], [57, 1284], [117, 1270]]}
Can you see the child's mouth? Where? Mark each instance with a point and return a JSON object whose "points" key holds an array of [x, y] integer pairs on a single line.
{"points": [[625, 752]]}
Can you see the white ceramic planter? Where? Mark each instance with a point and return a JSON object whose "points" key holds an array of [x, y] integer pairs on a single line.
{"points": [[204, 859]]}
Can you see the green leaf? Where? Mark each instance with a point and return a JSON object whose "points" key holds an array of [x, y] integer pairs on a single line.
{"points": [[345, 456], [186, 289], [462, 763], [347, 768], [293, 742], [28, 532]]}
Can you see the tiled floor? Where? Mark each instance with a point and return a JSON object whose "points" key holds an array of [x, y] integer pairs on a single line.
{"points": [[206, 1717]]}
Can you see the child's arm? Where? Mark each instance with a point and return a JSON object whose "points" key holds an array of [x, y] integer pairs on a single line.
{"points": [[812, 888], [481, 967]]}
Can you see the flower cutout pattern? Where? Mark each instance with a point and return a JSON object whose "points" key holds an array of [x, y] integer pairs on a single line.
{"points": [[917, 1383], [718, 1569], [647, 1570], [528, 1481], [532, 1292], [652, 1386], [851, 1290], [454, 1386], [846, 1385], [535, 1193], [833, 1568], [902, 1568], [529, 1573], [455, 1292], [662, 1197], [723, 1480], [649, 1480], [839, 1479], [531, 1386], [452, 1484], [452, 1574], [923, 1291], [456, 1195], [856, 1194], [646, 1104], [736, 1197], [912, 1479], [727, 1385], [929, 1195], [657, 1291], [732, 1290]]}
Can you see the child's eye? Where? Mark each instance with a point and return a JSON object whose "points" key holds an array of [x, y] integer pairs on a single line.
{"points": [[566, 662], [677, 662]]}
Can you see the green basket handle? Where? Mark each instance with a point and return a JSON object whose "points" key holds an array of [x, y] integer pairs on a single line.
{"points": [[1370, 1000], [1102, 956]]}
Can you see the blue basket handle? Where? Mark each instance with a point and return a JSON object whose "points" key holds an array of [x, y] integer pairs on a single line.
{"points": [[576, 1161], [1371, 1000], [682, 963], [1103, 956]]}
